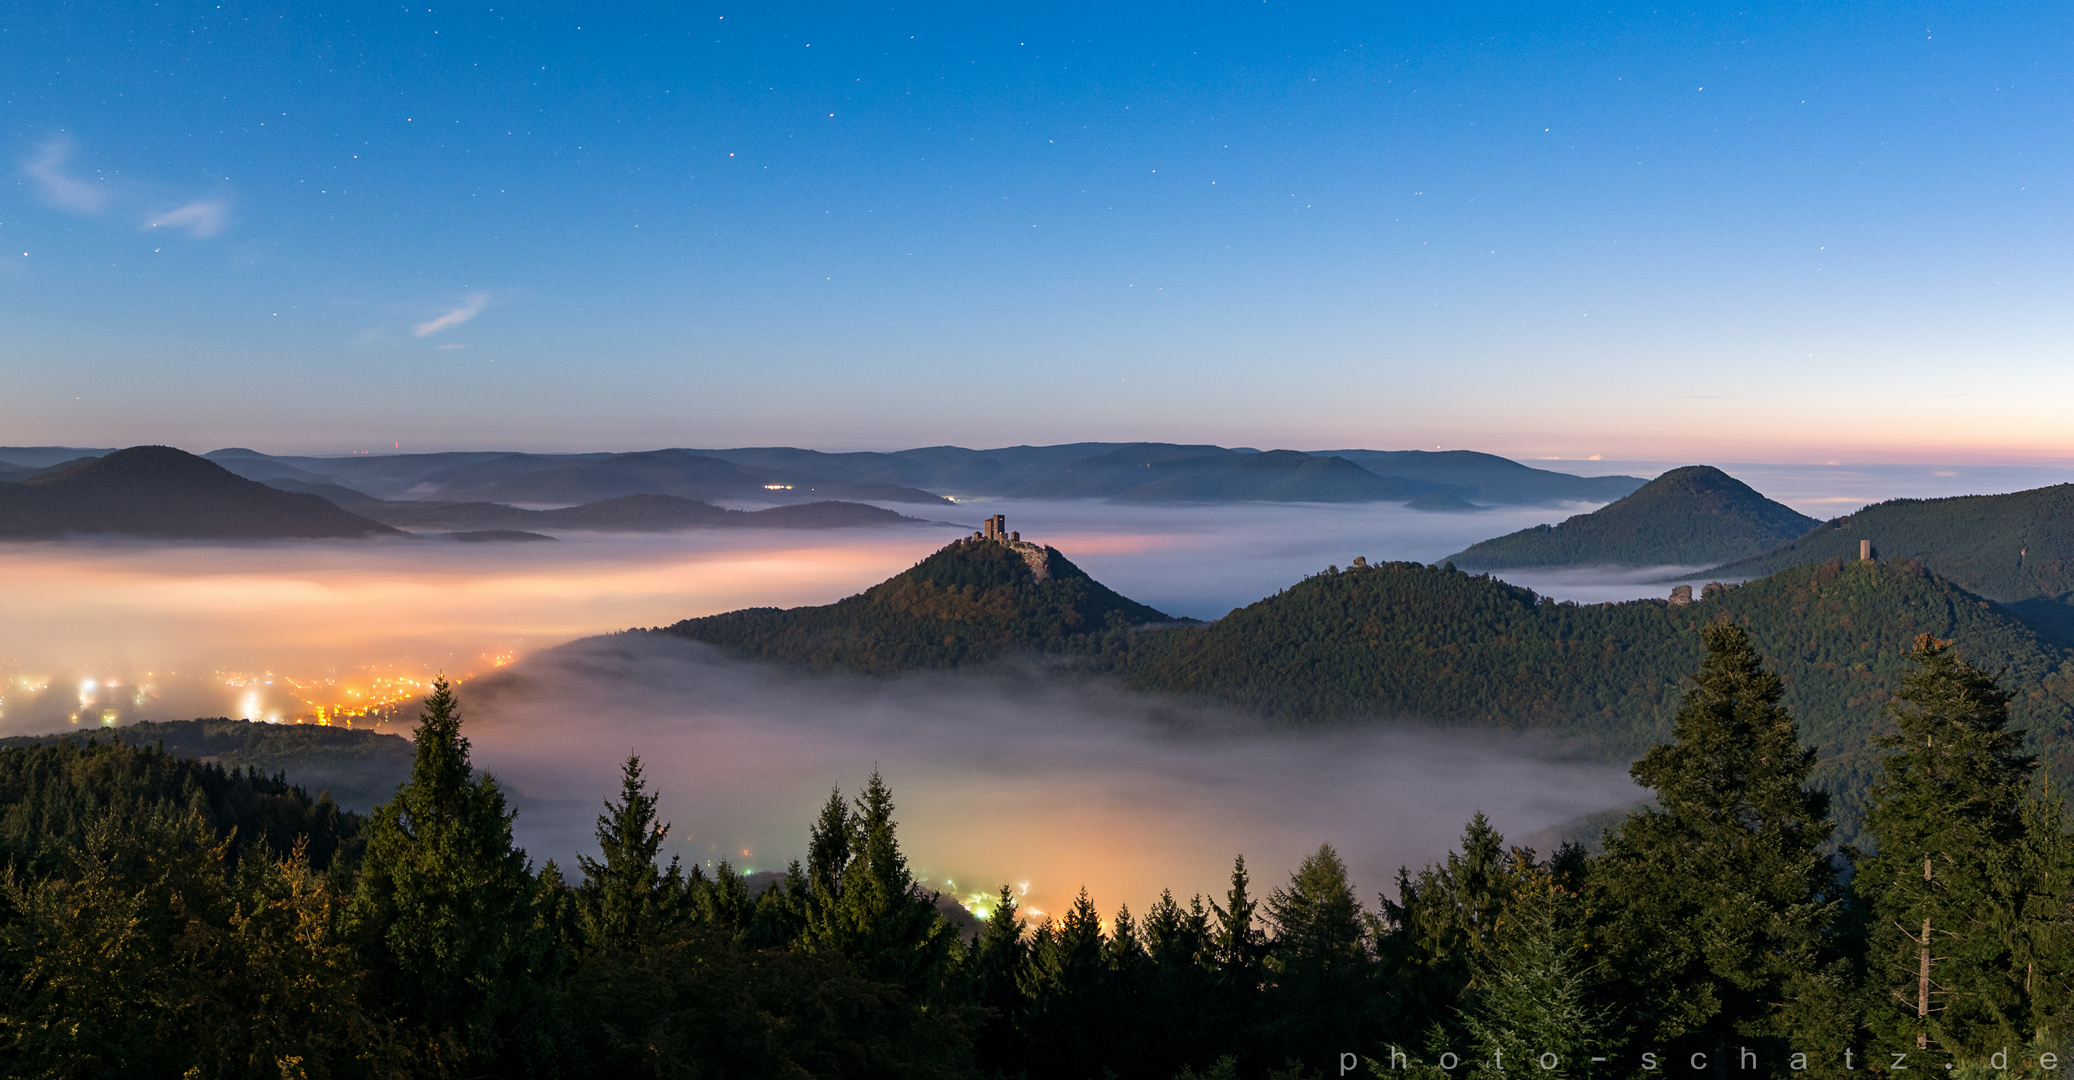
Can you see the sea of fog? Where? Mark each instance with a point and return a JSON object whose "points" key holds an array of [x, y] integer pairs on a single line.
{"points": [[1002, 776], [1019, 776]]}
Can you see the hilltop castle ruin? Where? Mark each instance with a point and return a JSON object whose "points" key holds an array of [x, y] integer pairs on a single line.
{"points": [[995, 531]]}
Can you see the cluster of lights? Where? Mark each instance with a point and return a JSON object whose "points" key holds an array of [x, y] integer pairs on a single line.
{"points": [[367, 699], [981, 904]]}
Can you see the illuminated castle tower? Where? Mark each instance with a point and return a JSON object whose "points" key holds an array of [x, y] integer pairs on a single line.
{"points": [[995, 531]]}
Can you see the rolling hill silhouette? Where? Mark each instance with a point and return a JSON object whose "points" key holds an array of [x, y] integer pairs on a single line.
{"points": [[971, 602], [1694, 516], [161, 492]]}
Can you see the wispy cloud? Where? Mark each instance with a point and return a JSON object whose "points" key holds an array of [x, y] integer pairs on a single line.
{"points": [[201, 218], [56, 182], [443, 348], [47, 168], [453, 318]]}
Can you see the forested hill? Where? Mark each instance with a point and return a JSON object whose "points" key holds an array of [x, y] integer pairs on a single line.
{"points": [[357, 769], [157, 491], [51, 793], [2009, 548], [1694, 516], [1406, 640], [970, 602]]}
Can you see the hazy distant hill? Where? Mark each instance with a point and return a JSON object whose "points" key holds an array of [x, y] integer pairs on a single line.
{"points": [[1694, 516], [34, 458], [1489, 478], [2010, 548], [359, 768], [157, 491], [1154, 472], [566, 479], [1212, 473], [971, 602], [631, 513], [1135, 471]]}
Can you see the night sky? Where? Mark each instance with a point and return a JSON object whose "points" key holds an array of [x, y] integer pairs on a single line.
{"points": [[1752, 232]]}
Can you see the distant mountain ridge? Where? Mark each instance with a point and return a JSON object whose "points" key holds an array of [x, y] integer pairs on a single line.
{"points": [[630, 513], [160, 492], [1132, 472], [1692, 516]]}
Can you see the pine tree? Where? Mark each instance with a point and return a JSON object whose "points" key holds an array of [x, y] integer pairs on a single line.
{"points": [[1321, 998], [828, 858], [1717, 901], [998, 967], [1438, 925], [2044, 947], [780, 917], [1068, 992], [1532, 1008], [143, 957], [443, 915], [1238, 955], [628, 896], [1174, 1026], [1962, 894], [1125, 983], [874, 913], [723, 903]]}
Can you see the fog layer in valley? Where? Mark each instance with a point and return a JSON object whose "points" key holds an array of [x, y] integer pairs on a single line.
{"points": [[1014, 776], [1203, 561], [999, 777], [106, 630]]}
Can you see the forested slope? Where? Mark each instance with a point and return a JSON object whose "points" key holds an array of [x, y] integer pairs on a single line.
{"points": [[356, 768], [1402, 640], [50, 794], [2008, 548], [1694, 516], [970, 602]]}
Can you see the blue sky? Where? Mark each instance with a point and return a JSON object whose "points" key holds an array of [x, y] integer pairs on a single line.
{"points": [[1751, 232]]}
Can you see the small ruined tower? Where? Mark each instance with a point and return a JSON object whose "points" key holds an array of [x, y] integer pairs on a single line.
{"points": [[995, 531], [1864, 551]]}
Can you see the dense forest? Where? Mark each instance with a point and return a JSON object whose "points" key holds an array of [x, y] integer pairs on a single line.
{"points": [[354, 768], [1694, 516], [971, 602], [1432, 643], [2007, 548], [166, 918], [1405, 641], [1408, 640]]}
